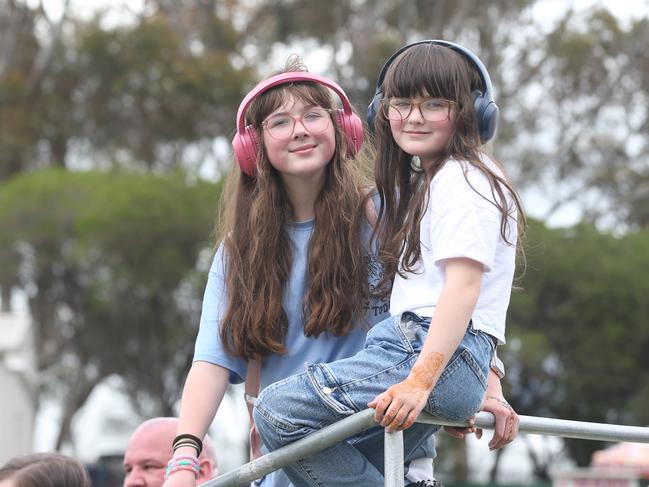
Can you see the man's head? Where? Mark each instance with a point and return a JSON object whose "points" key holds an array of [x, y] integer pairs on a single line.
{"points": [[149, 449]]}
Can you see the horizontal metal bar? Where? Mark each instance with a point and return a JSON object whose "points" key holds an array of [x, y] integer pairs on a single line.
{"points": [[559, 427], [364, 420]]}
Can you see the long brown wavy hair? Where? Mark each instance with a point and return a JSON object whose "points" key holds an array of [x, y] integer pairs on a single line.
{"points": [[436, 71], [259, 249]]}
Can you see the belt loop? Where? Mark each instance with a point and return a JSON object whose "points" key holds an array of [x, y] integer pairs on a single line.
{"points": [[471, 329]]}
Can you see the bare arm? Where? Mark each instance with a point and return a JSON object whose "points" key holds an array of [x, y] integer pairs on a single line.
{"points": [[202, 395], [398, 407]]}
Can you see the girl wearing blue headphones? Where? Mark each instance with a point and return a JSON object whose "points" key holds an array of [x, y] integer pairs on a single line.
{"points": [[448, 227]]}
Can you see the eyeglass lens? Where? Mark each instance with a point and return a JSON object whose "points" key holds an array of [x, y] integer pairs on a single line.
{"points": [[432, 109], [282, 126]]}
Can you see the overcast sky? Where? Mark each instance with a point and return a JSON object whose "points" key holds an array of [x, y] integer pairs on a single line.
{"points": [[120, 9]]}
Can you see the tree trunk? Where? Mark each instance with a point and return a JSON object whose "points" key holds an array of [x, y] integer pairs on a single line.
{"points": [[493, 474], [77, 396], [461, 464], [5, 294]]}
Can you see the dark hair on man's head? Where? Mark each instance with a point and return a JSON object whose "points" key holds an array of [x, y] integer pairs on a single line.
{"points": [[45, 470]]}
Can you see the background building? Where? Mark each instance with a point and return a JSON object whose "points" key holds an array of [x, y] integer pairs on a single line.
{"points": [[18, 404]]}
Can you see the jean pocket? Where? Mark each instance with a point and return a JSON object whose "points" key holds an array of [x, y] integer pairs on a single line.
{"points": [[397, 332], [412, 330], [329, 391], [459, 391]]}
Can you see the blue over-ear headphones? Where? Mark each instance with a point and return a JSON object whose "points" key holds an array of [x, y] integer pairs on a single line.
{"points": [[485, 107]]}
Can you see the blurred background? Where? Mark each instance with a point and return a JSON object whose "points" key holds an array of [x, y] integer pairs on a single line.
{"points": [[115, 124]]}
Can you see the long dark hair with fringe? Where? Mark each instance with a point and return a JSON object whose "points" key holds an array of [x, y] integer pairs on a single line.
{"points": [[440, 72], [259, 253]]}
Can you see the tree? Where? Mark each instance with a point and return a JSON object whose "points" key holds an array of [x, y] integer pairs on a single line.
{"points": [[578, 124], [362, 35], [134, 95], [113, 266], [145, 95], [578, 335], [25, 79], [145, 98]]}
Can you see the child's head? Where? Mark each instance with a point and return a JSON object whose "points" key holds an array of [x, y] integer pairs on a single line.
{"points": [[439, 88], [290, 107]]}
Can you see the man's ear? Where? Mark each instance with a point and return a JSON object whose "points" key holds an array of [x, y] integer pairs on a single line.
{"points": [[207, 471]]}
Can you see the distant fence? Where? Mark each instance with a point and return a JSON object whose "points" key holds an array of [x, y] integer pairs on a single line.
{"points": [[394, 472]]}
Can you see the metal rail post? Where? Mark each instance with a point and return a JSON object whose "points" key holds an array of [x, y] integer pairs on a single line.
{"points": [[393, 451]]}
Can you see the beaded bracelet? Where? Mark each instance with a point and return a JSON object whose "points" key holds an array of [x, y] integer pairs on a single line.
{"points": [[183, 462]]}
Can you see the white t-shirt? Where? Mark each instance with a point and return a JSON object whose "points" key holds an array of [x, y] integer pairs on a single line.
{"points": [[462, 221]]}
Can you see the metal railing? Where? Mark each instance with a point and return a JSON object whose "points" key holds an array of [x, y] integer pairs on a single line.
{"points": [[393, 471]]}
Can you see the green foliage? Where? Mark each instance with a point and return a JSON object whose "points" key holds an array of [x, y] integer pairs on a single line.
{"points": [[143, 91], [136, 96], [371, 29], [578, 334], [109, 262], [153, 93]]}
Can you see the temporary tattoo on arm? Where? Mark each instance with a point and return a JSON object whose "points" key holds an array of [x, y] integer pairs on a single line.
{"points": [[426, 369]]}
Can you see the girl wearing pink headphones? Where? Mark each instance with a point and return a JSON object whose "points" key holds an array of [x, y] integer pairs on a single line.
{"points": [[448, 233], [292, 279]]}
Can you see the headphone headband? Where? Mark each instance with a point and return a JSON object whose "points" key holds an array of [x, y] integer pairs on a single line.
{"points": [[285, 78], [485, 106], [480, 67]]}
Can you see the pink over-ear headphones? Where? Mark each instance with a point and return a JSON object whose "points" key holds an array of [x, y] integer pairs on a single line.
{"points": [[246, 143]]}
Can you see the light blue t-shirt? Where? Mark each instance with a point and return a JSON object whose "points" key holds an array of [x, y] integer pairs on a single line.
{"points": [[300, 349]]}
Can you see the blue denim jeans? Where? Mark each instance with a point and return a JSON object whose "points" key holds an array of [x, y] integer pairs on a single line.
{"points": [[302, 404]]}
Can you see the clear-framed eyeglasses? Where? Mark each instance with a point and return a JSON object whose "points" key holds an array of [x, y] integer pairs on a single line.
{"points": [[431, 109], [281, 126]]}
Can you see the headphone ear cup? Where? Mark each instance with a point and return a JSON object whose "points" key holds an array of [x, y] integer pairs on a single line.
{"points": [[489, 122], [486, 112], [245, 147], [352, 127]]}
